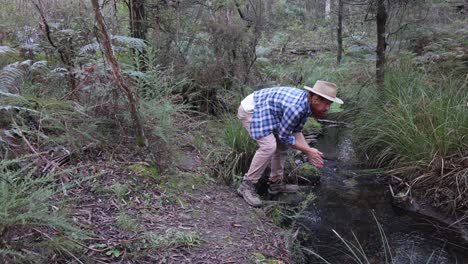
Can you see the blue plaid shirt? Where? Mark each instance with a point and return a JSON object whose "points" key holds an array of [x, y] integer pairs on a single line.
{"points": [[279, 110]]}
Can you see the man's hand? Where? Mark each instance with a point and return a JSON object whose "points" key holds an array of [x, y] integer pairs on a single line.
{"points": [[315, 157]]}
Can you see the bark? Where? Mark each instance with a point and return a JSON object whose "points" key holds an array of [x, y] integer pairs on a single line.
{"points": [[138, 27], [381, 44], [339, 33], [110, 58], [137, 19]]}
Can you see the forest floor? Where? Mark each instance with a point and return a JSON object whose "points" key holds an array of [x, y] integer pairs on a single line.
{"points": [[137, 215]]}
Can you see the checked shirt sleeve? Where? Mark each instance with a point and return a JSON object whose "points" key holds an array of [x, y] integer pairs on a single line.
{"points": [[289, 123]]}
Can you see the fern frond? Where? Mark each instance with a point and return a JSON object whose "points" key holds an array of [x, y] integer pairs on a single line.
{"points": [[135, 74], [39, 65], [134, 43], [26, 64], [8, 94], [4, 50], [92, 47], [9, 107], [9, 77]]}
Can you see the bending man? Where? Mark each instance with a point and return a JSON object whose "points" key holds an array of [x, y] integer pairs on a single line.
{"points": [[274, 118]]}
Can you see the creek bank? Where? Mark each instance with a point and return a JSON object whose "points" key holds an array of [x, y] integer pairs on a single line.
{"points": [[354, 203]]}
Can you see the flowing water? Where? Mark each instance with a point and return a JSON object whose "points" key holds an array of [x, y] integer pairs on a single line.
{"points": [[347, 201]]}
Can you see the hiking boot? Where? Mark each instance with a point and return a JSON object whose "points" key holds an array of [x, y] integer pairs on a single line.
{"points": [[247, 191], [275, 188]]}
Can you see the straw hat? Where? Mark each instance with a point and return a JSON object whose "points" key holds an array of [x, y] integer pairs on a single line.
{"points": [[326, 90]]}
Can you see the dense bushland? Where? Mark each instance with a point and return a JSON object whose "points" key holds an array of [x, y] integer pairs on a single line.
{"points": [[190, 66]]}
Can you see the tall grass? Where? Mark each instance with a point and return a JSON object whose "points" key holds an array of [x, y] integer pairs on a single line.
{"points": [[241, 149], [30, 220], [414, 119]]}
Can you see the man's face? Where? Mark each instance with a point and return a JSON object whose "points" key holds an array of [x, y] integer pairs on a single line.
{"points": [[319, 106]]}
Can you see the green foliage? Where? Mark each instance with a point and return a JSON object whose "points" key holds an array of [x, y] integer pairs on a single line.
{"points": [[259, 258], [415, 118], [26, 203], [308, 71], [120, 190], [241, 150], [126, 222], [180, 182], [308, 172], [151, 172], [311, 126], [160, 115], [48, 122], [172, 238]]}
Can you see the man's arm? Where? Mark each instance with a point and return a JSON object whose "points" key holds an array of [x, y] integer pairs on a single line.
{"points": [[314, 156]]}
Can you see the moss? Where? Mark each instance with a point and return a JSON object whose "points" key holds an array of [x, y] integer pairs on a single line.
{"points": [[151, 172], [185, 182], [310, 172], [260, 258], [311, 126]]}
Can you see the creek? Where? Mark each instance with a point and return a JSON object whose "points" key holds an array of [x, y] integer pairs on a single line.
{"points": [[354, 203]]}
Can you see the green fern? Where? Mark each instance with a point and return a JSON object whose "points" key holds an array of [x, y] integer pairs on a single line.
{"points": [[118, 43], [10, 75], [5, 50], [89, 48], [134, 43]]}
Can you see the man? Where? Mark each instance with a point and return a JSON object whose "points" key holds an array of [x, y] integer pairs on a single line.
{"points": [[274, 118]]}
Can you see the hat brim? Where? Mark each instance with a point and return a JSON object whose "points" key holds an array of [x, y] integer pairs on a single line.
{"points": [[333, 99]]}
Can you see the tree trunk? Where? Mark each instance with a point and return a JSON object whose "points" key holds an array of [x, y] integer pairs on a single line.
{"points": [[65, 57], [327, 9], [381, 44], [339, 33], [109, 55], [138, 27], [137, 19]]}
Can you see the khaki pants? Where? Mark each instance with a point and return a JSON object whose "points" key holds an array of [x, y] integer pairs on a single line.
{"points": [[269, 149]]}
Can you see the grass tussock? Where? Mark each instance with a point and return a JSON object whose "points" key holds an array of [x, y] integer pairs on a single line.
{"points": [[233, 159], [417, 127]]}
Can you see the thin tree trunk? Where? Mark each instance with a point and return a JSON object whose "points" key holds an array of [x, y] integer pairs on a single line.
{"points": [[339, 33], [381, 44], [65, 57], [109, 54], [138, 27], [327, 9]]}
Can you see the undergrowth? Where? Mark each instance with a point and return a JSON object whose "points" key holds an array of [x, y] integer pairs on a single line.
{"points": [[417, 128], [237, 151], [33, 225]]}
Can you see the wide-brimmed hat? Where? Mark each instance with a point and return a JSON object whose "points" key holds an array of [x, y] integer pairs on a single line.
{"points": [[326, 90]]}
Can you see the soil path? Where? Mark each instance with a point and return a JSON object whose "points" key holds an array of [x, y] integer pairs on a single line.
{"points": [[139, 219]]}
